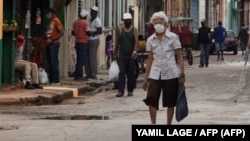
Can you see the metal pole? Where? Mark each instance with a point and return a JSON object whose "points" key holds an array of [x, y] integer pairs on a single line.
{"points": [[27, 26], [1, 37], [13, 48]]}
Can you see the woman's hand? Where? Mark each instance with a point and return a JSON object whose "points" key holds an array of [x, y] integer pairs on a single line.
{"points": [[145, 85], [182, 79]]}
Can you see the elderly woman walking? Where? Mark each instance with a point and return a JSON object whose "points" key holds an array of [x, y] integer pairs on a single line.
{"points": [[163, 73]]}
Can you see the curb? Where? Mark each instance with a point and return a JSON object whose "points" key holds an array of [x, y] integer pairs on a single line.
{"points": [[50, 95], [42, 97]]}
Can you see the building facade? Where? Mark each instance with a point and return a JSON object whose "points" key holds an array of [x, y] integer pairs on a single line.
{"points": [[231, 12]]}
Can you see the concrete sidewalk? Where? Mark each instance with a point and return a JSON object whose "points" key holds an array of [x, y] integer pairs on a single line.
{"points": [[14, 94]]}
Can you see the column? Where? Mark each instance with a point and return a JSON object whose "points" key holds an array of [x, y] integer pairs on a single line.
{"points": [[1, 37]]}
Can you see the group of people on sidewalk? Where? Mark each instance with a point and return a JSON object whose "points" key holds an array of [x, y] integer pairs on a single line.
{"points": [[30, 69], [86, 44], [205, 37]]}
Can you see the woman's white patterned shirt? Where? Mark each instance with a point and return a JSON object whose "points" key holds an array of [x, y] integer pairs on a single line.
{"points": [[164, 65]]}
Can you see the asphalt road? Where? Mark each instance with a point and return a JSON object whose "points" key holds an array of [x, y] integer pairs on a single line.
{"points": [[211, 94]]}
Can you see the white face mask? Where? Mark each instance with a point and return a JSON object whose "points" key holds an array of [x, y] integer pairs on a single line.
{"points": [[49, 15], [159, 28]]}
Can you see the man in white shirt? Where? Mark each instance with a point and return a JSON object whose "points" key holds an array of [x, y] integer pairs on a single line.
{"points": [[93, 43]]}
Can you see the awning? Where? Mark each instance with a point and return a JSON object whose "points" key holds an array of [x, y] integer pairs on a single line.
{"points": [[180, 19]]}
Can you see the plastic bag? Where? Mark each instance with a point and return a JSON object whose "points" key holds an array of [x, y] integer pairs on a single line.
{"points": [[114, 71], [182, 104], [43, 77]]}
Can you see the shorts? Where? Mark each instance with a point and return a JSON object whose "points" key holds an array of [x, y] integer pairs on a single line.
{"points": [[168, 89], [219, 46]]}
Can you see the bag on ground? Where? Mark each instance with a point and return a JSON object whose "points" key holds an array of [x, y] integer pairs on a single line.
{"points": [[182, 104], [114, 71], [43, 77]]}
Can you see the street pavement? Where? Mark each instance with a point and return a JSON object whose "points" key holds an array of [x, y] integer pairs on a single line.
{"points": [[211, 94]]}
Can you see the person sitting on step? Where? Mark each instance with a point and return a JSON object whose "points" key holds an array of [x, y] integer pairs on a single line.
{"points": [[28, 68]]}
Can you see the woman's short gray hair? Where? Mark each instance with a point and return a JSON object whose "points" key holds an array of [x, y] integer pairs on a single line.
{"points": [[160, 15]]}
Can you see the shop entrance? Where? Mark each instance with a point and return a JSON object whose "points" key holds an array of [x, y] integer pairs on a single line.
{"points": [[35, 45]]}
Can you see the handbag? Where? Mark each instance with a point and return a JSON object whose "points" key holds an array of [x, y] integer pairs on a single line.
{"points": [[182, 104]]}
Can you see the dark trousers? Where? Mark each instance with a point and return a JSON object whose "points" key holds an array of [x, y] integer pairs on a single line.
{"points": [[127, 71], [52, 51], [204, 55], [81, 49]]}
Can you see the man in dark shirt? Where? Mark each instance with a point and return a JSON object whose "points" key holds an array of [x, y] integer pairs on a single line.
{"points": [[204, 38], [243, 37], [126, 52]]}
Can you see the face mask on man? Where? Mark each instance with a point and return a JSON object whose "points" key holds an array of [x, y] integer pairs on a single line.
{"points": [[127, 23], [49, 15], [159, 28], [93, 15]]}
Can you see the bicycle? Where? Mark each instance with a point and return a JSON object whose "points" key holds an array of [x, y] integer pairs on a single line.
{"points": [[189, 56]]}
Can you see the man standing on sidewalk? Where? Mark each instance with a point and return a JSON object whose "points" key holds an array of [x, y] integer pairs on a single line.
{"points": [[81, 31], [204, 38], [219, 36], [243, 37], [53, 35], [94, 41], [126, 52]]}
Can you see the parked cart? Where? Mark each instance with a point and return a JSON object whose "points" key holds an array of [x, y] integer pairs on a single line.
{"points": [[181, 26], [142, 54]]}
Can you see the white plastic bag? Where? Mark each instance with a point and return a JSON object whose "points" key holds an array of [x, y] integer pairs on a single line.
{"points": [[43, 77], [114, 71]]}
